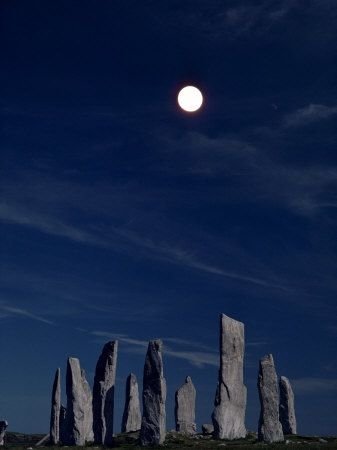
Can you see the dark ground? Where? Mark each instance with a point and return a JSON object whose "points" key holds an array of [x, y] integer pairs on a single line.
{"points": [[175, 441]]}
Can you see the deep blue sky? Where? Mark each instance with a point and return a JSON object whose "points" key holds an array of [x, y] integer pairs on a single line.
{"points": [[123, 217]]}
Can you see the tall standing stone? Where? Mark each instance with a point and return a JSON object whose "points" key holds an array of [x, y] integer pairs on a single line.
{"points": [[287, 407], [132, 418], [3, 428], [270, 428], [79, 420], [185, 408], [103, 394], [231, 395], [153, 429], [55, 409]]}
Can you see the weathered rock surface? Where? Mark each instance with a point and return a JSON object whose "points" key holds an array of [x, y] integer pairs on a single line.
{"points": [[3, 427], [153, 428], [185, 408], [55, 409], [231, 395], [287, 407], [79, 420], [207, 428], [270, 428], [132, 418], [103, 394]]}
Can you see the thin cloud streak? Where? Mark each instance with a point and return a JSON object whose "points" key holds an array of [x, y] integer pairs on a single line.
{"points": [[138, 346], [166, 253], [12, 311], [45, 225], [313, 386]]}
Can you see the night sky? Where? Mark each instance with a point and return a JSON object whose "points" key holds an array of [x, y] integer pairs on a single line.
{"points": [[123, 217]]}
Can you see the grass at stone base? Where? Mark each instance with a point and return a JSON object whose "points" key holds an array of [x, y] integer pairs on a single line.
{"points": [[176, 441]]}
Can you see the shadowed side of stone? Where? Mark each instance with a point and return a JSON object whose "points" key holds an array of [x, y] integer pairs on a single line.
{"points": [[132, 418], [63, 423], [185, 408], [103, 394], [207, 429], [79, 421], [287, 407], [153, 428], [231, 394], [270, 428], [55, 409], [3, 428]]}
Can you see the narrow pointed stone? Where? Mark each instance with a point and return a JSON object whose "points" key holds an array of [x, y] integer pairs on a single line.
{"points": [[231, 395], [270, 428], [55, 409], [103, 394], [79, 421], [132, 418], [3, 428], [185, 408], [287, 407], [153, 429]]}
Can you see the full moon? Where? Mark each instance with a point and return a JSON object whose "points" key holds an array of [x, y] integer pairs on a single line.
{"points": [[190, 99]]}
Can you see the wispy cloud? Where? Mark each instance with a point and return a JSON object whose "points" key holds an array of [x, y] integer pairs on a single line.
{"points": [[139, 346], [13, 311], [252, 173], [120, 239], [215, 21], [48, 225], [309, 114], [314, 385]]}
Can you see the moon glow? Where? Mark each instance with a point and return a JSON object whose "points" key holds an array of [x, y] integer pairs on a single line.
{"points": [[190, 99]]}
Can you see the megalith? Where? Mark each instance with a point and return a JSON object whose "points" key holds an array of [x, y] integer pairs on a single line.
{"points": [[153, 428], [231, 394], [55, 409], [184, 411], [103, 394], [132, 417], [79, 420], [270, 428], [3, 427], [287, 407]]}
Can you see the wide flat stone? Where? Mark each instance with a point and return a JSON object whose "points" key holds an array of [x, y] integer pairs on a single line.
{"points": [[231, 394], [79, 419]]}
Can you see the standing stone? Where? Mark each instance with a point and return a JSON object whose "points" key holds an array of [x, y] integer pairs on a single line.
{"points": [[55, 409], [231, 395], [185, 408], [132, 418], [270, 428], [79, 421], [3, 427], [153, 428], [287, 407], [103, 394]]}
